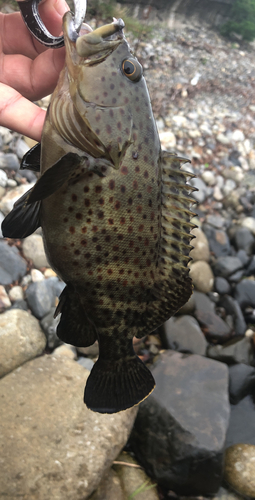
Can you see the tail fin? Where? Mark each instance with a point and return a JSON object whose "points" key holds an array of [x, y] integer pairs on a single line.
{"points": [[117, 384]]}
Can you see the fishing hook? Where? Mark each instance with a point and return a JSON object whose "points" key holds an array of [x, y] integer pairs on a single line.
{"points": [[33, 21]]}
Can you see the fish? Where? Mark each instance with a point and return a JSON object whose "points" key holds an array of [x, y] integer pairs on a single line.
{"points": [[114, 209]]}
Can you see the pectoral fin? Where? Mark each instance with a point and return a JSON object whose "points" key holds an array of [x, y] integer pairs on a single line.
{"points": [[23, 220], [31, 160], [55, 177]]}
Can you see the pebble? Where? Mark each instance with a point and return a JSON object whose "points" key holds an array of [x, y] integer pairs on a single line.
{"points": [[184, 334], [33, 249], [168, 139], [86, 363], [16, 293], [245, 293], [3, 178], [7, 202], [36, 275], [202, 276], [218, 240], [209, 177], [241, 381], [239, 470], [201, 246], [225, 266], [65, 351], [40, 298], [221, 285], [49, 326], [234, 351], [249, 223], [244, 240], [12, 266], [4, 299]]}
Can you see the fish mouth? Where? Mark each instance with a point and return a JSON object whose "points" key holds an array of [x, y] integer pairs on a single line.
{"points": [[90, 43]]}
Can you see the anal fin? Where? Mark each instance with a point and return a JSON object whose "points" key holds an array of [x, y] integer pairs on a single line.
{"points": [[23, 219], [74, 327]]}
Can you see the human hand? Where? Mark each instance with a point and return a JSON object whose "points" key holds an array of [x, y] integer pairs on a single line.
{"points": [[28, 70]]}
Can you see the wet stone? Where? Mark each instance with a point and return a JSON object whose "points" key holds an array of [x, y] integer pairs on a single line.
{"points": [[245, 293], [180, 429], [244, 240], [86, 363], [227, 266], [241, 381], [202, 276], [12, 265], [239, 470], [49, 326], [234, 351], [232, 308], [184, 334], [221, 285], [214, 328], [40, 298], [218, 240], [244, 258], [242, 422]]}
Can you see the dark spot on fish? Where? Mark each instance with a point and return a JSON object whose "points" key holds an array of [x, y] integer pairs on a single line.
{"points": [[144, 216], [101, 201], [105, 94], [74, 197], [146, 242], [126, 100], [135, 184], [130, 271], [124, 170], [134, 136], [108, 129], [71, 229], [115, 258], [87, 202], [117, 205], [97, 131], [146, 174], [139, 209], [119, 140], [86, 189], [141, 227], [109, 271], [140, 147], [84, 229], [94, 229], [130, 229], [123, 188], [98, 248], [75, 263], [112, 86], [108, 238], [122, 220], [119, 125], [103, 78], [78, 216], [151, 229], [84, 243], [130, 201], [111, 113], [77, 252], [111, 199], [122, 84], [122, 111], [119, 93], [114, 72], [131, 244], [65, 219], [98, 117], [95, 239], [137, 109], [146, 140], [150, 203], [114, 100], [120, 237], [70, 209], [87, 255], [111, 222], [100, 215], [111, 184], [149, 189]]}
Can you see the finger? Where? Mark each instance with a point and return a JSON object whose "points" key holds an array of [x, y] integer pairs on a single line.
{"points": [[19, 114], [33, 78], [16, 39]]}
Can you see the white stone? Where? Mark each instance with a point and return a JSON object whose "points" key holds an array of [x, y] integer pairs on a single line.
{"points": [[229, 186], [217, 194], [238, 136], [7, 202], [16, 293], [223, 139], [4, 300], [36, 275], [3, 178], [249, 222], [33, 249], [209, 177], [168, 139]]}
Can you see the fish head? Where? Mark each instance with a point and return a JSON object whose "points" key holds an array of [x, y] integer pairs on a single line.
{"points": [[108, 90]]}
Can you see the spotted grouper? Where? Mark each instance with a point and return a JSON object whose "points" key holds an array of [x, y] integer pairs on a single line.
{"points": [[114, 210]]}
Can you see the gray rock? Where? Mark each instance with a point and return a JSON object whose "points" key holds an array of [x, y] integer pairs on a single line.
{"points": [[226, 266], [245, 293], [202, 276], [9, 161], [215, 220], [239, 470], [232, 308], [189, 307], [224, 494], [49, 326], [1, 220], [221, 285], [20, 304], [202, 302], [241, 381], [244, 240], [21, 339], [12, 265], [33, 249], [183, 334], [214, 327], [242, 255], [86, 363], [41, 295], [109, 488], [242, 423], [218, 240], [234, 351], [53, 446], [7, 202], [202, 192], [180, 429]]}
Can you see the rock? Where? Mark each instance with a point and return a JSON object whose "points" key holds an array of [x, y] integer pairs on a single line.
{"points": [[214, 328], [249, 223], [91, 351], [229, 186], [66, 351], [218, 240], [217, 193], [41, 295], [201, 246], [221, 285], [180, 429], [250, 270], [7, 202], [239, 470], [202, 276], [109, 488], [223, 139], [33, 249], [202, 192], [234, 351], [238, 136], [3, 178], [168, 139], [36, 275], [132, 478], [202, 302], [241, 381], [21, 339], [183, 334], [12, 265], [43, 410], [209, 177], [224, 494], [9, 161], [1, 219], [20, 304], [245, 293], [225, 266], [232, 308], [216, 221], [241, 427], [4, 299], [49, 326], [86, 363], [244, 240], [242, 255], [16, 293]]}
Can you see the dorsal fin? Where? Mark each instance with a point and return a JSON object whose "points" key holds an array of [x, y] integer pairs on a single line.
{"points": [[31, 160]]}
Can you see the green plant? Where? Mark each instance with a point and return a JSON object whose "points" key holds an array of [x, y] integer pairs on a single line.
{"points": [[141, 489], [242, 20]]}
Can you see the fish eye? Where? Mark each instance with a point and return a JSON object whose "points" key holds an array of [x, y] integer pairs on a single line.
{"points": [[132, 69]]}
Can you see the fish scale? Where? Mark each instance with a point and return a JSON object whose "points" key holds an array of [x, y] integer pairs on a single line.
{"points": [[115, 213]]}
